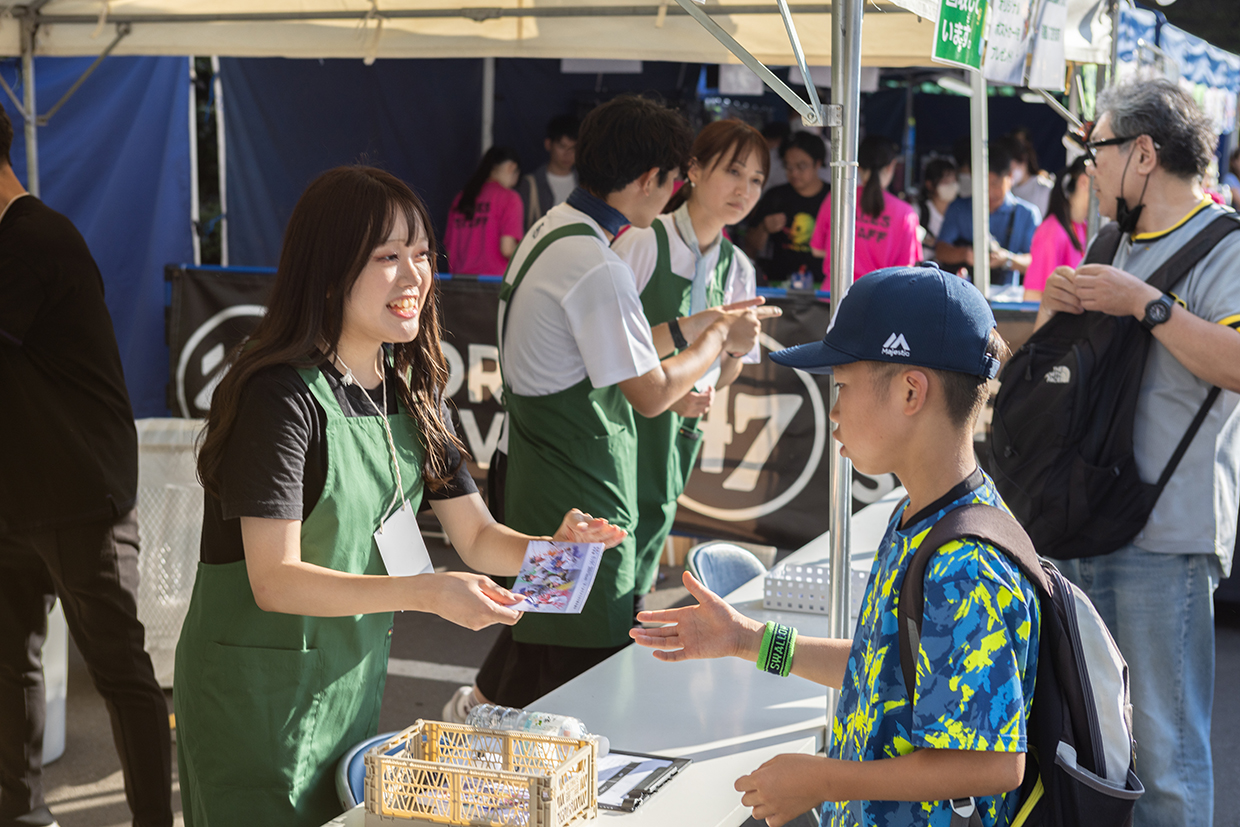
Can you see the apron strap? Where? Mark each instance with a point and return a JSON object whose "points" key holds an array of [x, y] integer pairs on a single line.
{"points": [[717, 289], [663, 251], [506, 292]]}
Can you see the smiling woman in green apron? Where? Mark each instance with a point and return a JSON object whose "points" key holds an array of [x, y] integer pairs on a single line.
{"points": [[321, 441], [683, 265]]}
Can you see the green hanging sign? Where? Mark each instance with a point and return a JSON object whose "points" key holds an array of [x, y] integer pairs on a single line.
{"points": [[958, 36]]}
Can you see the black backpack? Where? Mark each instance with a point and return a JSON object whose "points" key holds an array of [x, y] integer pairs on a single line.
{"points": [[1080, 764], [1062, 432]]}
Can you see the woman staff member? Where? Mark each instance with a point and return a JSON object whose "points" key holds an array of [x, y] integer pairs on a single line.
{"points": [[486, 219], [886, 226], [1060, 240], [683, 265], [319, 439]]}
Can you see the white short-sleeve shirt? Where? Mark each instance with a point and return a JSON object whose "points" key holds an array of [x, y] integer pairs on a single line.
{"points": [[576, 314]]}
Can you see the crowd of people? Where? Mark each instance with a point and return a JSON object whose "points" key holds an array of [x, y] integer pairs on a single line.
{"points": [[628, 301]]}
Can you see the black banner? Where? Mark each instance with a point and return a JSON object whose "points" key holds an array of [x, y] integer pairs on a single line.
{"points": [[762, 471], [212, 309]]}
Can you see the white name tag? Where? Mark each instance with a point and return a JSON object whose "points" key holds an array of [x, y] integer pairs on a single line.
{"points": [[401, 545]]}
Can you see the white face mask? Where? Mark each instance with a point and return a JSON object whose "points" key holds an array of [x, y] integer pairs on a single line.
{"points": [[965, 182], [947, 191], [1018, 175]]}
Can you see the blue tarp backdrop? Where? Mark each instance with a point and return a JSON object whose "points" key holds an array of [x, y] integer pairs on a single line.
{"points": [[115, 160], [286, 121]]}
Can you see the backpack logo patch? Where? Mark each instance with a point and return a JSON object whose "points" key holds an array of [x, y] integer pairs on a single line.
{"points": [[1058, 375], [896, 345]]}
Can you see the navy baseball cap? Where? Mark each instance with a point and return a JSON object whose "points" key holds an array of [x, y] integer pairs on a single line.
{"points": [[908, 315]]}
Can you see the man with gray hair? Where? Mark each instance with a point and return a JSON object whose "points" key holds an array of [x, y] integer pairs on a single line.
{"points": [[1148, 151]]}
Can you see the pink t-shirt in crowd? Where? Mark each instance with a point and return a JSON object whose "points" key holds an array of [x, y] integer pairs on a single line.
{"points": [[887, 241], [1052, 248], [472, 245]]}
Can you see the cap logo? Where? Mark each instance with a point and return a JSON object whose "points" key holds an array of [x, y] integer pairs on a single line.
{"points": [[896, 346]]}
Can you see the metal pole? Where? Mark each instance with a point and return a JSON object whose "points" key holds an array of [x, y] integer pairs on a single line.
{"points": [[194, 213], [488, 103], [910, 136], [980, 167], [845, 94], [221, 156], [32, 120]]}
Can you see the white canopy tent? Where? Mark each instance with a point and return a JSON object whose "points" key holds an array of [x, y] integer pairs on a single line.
{"points": [[632, 29]]}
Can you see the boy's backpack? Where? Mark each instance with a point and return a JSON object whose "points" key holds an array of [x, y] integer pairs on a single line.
{"points": [[1062, 432], [1079, 768]]}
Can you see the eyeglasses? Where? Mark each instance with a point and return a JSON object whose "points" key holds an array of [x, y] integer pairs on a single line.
{"points": [[1092, 146]]}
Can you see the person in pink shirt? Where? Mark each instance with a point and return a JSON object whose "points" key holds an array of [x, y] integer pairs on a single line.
{"points": [[487, 218], [886, 226], [1059, 241]]}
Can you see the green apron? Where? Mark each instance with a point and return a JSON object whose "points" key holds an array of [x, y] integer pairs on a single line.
{"points": [[573, 449], [267, 703], [667, 445]]}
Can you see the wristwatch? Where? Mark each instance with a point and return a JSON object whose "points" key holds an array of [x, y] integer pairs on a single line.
{"points": [[1157, 311], [678, 338]]}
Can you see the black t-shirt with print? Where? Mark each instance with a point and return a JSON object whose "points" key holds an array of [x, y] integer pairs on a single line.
{"points": [[790, 246], [275, 462]]}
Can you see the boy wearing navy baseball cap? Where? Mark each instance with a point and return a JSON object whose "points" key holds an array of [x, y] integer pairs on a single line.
{"points": [[912, 349]]}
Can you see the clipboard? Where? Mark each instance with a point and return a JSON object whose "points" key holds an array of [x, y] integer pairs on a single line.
{"points": [[626, 779]]}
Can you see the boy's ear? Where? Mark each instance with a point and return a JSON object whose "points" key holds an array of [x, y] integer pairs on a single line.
{"points": [[914, 387]]}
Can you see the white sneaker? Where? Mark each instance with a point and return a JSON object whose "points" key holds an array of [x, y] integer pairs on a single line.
{"points": [[457, 708]]}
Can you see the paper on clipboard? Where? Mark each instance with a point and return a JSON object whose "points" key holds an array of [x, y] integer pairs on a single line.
{"points": [[709, 379], [627, 779]]}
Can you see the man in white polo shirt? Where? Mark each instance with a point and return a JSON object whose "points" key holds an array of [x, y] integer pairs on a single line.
{"points": [[578, 358]]}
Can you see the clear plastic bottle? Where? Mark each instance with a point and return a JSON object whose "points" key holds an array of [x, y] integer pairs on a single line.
{"points": [[493, 716]]}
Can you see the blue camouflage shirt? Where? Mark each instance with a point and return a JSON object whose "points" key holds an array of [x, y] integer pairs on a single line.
{"points": [[975, 672]]}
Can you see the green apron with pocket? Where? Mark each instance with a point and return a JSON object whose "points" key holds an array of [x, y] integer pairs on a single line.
{"points": [[267, 703], [668, 444], [575, 448]]}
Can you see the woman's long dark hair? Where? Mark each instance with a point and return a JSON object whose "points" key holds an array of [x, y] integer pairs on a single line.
{"points": [[492, 158], [1066, 183], [875, 153], [338, 221], [728, 140]]}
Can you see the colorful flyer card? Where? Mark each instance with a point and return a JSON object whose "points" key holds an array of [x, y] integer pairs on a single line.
{"points": [[557, 577]]}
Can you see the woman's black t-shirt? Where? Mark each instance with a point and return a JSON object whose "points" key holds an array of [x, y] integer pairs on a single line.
{"points": [[275, 462]]}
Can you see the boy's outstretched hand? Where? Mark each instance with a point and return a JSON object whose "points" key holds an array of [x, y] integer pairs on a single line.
{"points": [[783, 788], [711, 629], [579, 527]]}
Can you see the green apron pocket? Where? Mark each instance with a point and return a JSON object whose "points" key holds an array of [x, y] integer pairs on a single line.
{"points": [[258, 709]]}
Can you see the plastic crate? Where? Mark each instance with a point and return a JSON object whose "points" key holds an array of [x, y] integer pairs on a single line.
{"points": [[807, 587], [440, 773]]}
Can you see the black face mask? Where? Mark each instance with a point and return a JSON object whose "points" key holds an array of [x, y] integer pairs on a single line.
{"points": [[1127, 217]]}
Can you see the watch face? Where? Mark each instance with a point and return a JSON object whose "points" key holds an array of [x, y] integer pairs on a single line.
{"points": [[1157, 312]]}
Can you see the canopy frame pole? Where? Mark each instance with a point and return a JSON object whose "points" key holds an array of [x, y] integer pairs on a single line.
{"points": [[979, 122], [1060, 110], [846, 101], [812, 113], [122, 31], [29, 111], [221, 155], [488, 103]]}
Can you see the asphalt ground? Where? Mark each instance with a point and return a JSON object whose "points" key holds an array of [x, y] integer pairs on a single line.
{"points": [[85, 788]]}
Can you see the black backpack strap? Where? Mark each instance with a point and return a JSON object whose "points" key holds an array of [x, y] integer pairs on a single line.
{"points": [[978, 521], [1187, 257], [1105, 246]]}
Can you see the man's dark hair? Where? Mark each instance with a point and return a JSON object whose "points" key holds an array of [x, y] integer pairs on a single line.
{"points": [[807, 142], [1001, 155], [563, 126], [626, 137], [1161, 109], [962, 151], [6, 136], [963, 393]]}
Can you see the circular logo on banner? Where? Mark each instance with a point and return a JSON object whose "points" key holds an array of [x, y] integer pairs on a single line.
{"points": [[198, 372], [745, 436]]}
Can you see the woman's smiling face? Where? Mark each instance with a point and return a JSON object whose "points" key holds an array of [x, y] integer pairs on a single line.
{"points": [[385, 302]]}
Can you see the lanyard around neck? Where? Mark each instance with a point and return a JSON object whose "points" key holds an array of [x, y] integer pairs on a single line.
{"points": [[350, 379]]}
